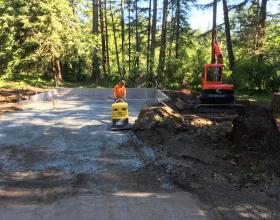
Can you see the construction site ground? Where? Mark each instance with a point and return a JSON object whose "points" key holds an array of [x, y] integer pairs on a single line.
{"points": [[59, 160], [198, 153]]}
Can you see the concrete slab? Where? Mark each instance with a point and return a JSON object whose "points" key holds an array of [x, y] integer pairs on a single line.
{"points": [[65, 163]]}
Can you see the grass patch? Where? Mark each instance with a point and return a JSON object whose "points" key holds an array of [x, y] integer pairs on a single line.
{"points": [[35, 82], [13, 85], [25, 83], [263, 99]]}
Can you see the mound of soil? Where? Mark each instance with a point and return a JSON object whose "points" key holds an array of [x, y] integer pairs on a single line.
{"points": [[256, 129], [164, 117], [198, 152]]}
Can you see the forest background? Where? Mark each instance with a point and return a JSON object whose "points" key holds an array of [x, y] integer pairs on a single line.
{"points": [[148, 43]]}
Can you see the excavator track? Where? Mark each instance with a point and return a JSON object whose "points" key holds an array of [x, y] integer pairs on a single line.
{"points": [[196, 106]]}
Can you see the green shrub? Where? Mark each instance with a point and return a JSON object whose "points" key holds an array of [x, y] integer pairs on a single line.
{"points": [[253, 75]]}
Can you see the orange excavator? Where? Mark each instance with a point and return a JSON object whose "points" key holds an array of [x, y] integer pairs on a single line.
{"points": [[214, 91], [216, 96]]}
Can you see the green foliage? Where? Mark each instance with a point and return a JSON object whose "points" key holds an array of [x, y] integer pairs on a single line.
{"points": [[252, 75], [36, 32], [187, 70], [258, 168], [260, 98], [272, 41]]}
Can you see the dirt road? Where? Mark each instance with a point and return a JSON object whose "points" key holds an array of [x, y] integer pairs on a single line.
{"points": [[65, 163]]}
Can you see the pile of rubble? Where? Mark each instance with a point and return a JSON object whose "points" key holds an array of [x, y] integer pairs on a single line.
{"points": [[253, 129]]}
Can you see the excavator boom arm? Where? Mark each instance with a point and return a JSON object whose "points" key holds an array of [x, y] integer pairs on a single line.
{"points": [[217, 52]]}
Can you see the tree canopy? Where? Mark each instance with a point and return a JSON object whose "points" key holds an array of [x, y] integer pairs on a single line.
{"points": [[147, 43]]}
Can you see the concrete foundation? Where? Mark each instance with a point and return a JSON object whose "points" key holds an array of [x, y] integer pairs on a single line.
{"points": [[147, 94]]}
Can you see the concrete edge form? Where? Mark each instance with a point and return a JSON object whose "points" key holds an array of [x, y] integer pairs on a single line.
{"points": [[41, 97], [104, 94]]}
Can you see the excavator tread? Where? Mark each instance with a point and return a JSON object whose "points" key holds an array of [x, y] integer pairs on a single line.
{"points": [[196, 106]]}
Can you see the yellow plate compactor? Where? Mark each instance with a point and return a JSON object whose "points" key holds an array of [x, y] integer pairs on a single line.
{"points": [[120, 116]]}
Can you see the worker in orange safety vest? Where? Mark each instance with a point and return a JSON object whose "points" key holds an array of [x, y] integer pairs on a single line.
{"points": [[119, 91]]}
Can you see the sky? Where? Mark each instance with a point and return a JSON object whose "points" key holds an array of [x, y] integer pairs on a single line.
{"points": [[202, 19]]}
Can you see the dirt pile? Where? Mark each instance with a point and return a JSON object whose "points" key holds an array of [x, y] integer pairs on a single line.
{"points": [[158, 117], [163, 117], [253, 129], [198, 152], [256, 129]]}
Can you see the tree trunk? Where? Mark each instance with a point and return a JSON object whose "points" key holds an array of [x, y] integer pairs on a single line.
{"points": [[228, 37], [129, 37], [172, 32], [261, 26], [57, 71], [149, 36], [104, 58], [123, 39], [153, 39], [256, 23], [95, 61], [137, 36], [73, 5], [275, 104], [178, 12], [106, 35], [214, 31], [163, 41], [115, 39]]}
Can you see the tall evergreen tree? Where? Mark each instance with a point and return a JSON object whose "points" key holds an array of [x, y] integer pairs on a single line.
{"points": [[95, 60], [115, 39], [103, 37], [228, 36], [163, 40], [153, 39]]}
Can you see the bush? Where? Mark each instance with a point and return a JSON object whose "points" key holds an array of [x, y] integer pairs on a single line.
{"points": [[253, 75]]}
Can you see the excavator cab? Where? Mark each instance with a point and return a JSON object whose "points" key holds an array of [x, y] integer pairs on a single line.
{"points": [[214, 91], [214, 74]]}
